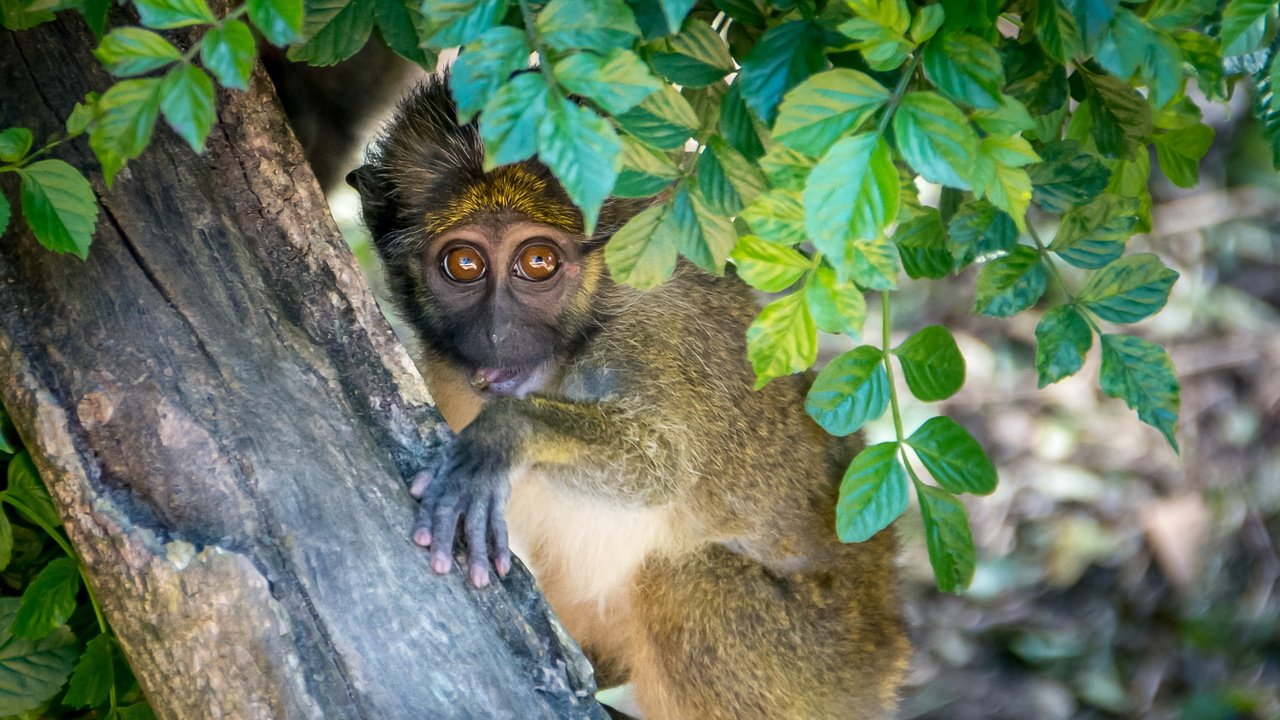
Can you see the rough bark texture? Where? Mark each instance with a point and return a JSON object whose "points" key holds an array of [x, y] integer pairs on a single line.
{"points": [[224, 418]]}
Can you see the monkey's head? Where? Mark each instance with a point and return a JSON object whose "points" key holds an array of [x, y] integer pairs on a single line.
{"points": [[491, 269]]}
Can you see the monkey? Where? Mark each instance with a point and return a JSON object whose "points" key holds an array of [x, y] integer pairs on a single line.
{"points": [[679, 522]]}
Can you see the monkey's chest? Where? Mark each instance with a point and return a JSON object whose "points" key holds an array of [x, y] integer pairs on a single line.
{"points": [[583, 548]]}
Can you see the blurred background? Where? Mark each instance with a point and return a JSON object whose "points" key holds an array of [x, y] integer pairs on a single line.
{"points": [[1116, 579]]}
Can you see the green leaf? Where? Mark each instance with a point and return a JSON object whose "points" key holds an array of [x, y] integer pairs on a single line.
{"points": [[1177, 14], [931, 364], [1129, 179], [777, 217], [81, 115], [599, 25], [926, 22], [228, 52], [979, 231], [31, 673], [279, 20], [766, 266], [14, 144], [953, 457], [21, 15], [459, 22], [965, 68], [1057, 30], [879, 32], [59, 206], [820, 110], [402, 24], [94, 13], [48, 601], [715, 181], [186, 98], [998, 175], [335, 30], [1140, 373], [851, 195], [872, 264], [485, 67], [702, 235], [665, 120], [94, 674], [1009, 118], [873, 493], [674, 11], [5, 212], [582, 151], [696, 57], [837, 306], [127, 115], [922, 246], [510, 120], [133, 51], [25, 489], [852, 390], [1011, 284], [947, 537], [1129, 289], [1239, 17], [936, 139], [169, 14], [1094, 235], [1121, 117], [616, 82], [782, 339], [638, 254], [1067, 176], [645, 171], [1062, 339], [136, 711], [6, 539], [785, 168], [1179, 152], [736, 124], [784, 56]]}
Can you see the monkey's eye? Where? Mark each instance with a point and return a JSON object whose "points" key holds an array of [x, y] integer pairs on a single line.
{"points": [[463, 264], [537, 261]]}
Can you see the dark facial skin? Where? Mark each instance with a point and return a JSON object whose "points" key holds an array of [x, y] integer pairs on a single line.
{"points": [[503, 288]]}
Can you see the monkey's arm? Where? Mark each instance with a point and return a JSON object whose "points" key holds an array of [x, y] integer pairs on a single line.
{"points": [[604, 449]]}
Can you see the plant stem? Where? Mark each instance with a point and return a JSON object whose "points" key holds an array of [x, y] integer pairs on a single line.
{"points": [[1057, 277], [885, 342], [898, 92], [535, 42]]}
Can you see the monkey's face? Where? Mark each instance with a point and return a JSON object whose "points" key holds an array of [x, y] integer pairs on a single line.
{"points": [[502, 291]]}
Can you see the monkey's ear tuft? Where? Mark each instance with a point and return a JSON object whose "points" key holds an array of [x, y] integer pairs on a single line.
{"points": [[362, 180], [375, 202]]}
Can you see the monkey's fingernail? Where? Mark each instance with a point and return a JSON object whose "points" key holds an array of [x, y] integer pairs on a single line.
{"points": [[440, 564], [503, 564], [422, 537], [479, 576], [419, 486]]}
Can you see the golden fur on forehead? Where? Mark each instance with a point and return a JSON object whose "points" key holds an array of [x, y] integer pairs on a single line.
{"points": [[510, 187]]}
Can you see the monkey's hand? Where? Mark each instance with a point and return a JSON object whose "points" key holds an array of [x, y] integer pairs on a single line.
{"points": [[468, 483]]}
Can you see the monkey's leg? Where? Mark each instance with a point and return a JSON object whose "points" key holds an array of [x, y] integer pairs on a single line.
{"points": [[725, 638]]}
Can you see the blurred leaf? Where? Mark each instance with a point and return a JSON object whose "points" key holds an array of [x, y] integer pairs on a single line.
{"points": [[696, 57], [169, 14], [948, 538], [127, 115], [879, 32], [838, 307], [926, 22], [1121, 117], [922, 246], [1067, 176], [1093, 235], [460, 22], [782, 340], [851, 390], [81, 115], [599, 25], [1266, 105], [1092, 17], [1179, 152], [1129, 289], [965, 68], [5, 212], [59, 206], [280, 21], [1009, 118], [1062, 339], [852, 195], [978, 231], [228, 52], [133, 51], [31, 672], [186, 98], [485, 67], [1140, 373], [510, 120], [1010, 284], [665, 120], [726, 178], [785, 168], [777, 217], [48, 601], [1057, 30], [784, 56], [820, 110], [582, 150], [402, 25], [94, 675], [6, 539], [1238, 19], [15, 142], [931, 364], [873, 493], [26, 490], [766, 266], [334, 30], [936, 139], [640, 256], [1129, 179], [702, 235], [616, 82], [645, 171], [736, 125], [953, 457]]}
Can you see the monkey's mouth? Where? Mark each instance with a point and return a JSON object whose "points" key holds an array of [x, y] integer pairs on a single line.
{"points": [[513, 382]]}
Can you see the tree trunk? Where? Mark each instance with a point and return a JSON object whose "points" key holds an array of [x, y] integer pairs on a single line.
{"points": [[224, 419]]}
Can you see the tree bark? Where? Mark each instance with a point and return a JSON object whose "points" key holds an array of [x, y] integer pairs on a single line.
{"points": [[224, 419]]}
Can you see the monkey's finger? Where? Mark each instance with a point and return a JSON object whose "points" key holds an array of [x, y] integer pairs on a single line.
{"points": [[418, 487], [476, 522], [444, 525], [501, 543]]}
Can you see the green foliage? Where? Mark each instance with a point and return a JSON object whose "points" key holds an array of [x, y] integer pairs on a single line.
{"points": [[802, 169]]}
